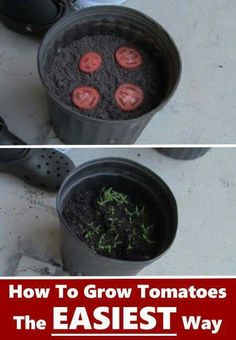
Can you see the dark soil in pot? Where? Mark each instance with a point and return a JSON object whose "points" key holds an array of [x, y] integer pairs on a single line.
{"points": [[64, 75], [113, 224]]}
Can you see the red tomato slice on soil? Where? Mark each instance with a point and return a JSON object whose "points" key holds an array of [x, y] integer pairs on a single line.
{"points": [[90, 62], [129, 58], [129, 97], [86, 97]]}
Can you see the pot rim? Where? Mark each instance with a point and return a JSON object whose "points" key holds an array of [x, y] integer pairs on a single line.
{"points": [[124, 161], [58, 26]]}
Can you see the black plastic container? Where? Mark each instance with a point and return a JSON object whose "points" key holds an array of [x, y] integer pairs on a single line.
{"points": [[125, 175], [30, 29], [75, 128], [184, 153]]}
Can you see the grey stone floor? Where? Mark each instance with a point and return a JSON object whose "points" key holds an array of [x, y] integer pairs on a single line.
{"points": [[205, 190], [203, 109]]}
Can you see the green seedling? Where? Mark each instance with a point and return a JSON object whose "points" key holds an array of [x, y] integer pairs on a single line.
{"points": [[112, 211], [120, 223], [102, 246], [136, 213], [97, 229], [145, 229], [147, 239], [117, 242], [109, 238], [111, 219], [144, 236], [102, 239], [107, 248], [130, 247], [89, 235], [139, 213], [111, 196]]}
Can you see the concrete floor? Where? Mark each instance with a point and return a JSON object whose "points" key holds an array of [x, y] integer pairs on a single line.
{"points": [[205, 190], [203, 109]]}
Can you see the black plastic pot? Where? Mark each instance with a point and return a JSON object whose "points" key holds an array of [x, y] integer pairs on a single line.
{"points": [[184, 153], [75, 128], [16, 21], [125, 175]]}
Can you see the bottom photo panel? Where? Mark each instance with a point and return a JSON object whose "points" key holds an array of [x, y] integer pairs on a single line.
{"points": [[117, 211]]}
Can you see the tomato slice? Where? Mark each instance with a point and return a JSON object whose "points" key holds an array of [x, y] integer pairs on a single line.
{"points": [[86, 97], [129, 97], [90, 62], [129, 57]]}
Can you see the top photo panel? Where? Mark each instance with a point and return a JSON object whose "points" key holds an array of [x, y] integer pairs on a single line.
{"points": [[105, 72]]}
